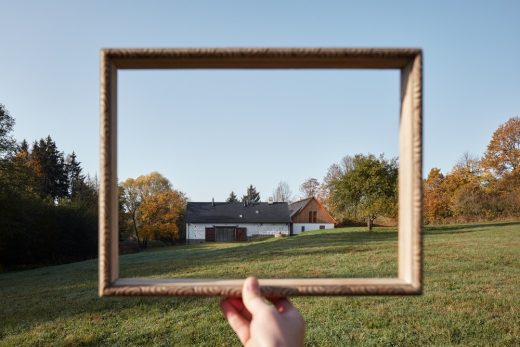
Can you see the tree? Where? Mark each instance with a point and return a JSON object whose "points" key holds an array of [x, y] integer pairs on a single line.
{"points": [[282, 192], [436, 201], [49, 169], [7, 142], [154, 209], [75, 177], [251, 196], [368, 189], [162, 215], [310, 187], [334, 172], [503, 151], [16, 174], [130, 200], [232, 197]]}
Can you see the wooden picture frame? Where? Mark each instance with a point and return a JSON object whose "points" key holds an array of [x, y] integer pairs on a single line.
{"points": [[407, 60]]}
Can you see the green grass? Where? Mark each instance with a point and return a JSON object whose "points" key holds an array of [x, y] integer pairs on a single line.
{"points": [[471, 295]]}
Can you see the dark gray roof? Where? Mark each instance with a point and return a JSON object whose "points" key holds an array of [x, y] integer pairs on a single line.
{"points": [[297, 206], [230, 212]]}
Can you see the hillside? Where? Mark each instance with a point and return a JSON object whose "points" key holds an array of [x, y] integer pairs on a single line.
{"points": [[472, 276]]}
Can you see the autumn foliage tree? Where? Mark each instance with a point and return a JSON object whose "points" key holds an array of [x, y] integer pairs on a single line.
{"points": [[503, 151], [310, 187], [152, 209], [478, 189]]}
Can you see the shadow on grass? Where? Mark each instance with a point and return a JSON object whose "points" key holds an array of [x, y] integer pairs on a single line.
{"points": [[70, 290], [178, 260], [463, 228]]}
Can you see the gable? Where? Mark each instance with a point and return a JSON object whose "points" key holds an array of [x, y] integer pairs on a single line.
{"points": [[301, 209]]}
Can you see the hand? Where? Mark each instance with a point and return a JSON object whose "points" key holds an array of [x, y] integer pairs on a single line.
{"points": [[260, 323]]}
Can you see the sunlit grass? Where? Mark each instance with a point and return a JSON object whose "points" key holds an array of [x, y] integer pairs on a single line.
{"points": [[471, 296], [320, 253]]}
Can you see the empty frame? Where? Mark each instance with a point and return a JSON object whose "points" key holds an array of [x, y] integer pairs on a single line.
{"points": [[408, 61]]}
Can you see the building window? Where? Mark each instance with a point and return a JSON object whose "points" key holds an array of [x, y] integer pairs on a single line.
{"points": [[315, 217], [322, 226], [303, 228], [310, 216]]}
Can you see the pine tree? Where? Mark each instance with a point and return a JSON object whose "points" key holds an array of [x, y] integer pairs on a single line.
{"points": [[75, 178], [232, 197], [7, 142], [48, 165], [251, 196]]}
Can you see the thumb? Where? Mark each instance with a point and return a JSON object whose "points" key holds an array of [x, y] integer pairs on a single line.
{"points": [[251, 296]]}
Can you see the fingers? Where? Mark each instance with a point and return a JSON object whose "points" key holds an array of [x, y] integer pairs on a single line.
{"points": [[283, 305], [251, 296], [238, 323], [239, 306]]}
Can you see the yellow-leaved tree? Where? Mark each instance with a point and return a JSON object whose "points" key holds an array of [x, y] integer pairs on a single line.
{"points": [[152, 209]]}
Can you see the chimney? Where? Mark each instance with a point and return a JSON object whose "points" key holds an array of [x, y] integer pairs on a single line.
{"points": [[213, 202]]}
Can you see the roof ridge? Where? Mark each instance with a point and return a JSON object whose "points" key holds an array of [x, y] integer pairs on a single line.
{"points": [[295, 202]]}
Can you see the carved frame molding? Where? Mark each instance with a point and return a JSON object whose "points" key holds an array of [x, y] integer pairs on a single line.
{"points": [[407, 60]]}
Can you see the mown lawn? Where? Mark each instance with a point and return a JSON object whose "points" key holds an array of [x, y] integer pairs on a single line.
{"points": [[471, 296]]}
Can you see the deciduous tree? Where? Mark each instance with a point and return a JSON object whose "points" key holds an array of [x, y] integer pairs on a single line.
{"points": [[310, 187], [503, 151], [162, 215], [154, 209], [368, 189], [282, 192]]}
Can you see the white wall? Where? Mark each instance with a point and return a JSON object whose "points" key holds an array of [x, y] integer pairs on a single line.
{"points": [[198, 231], [297, 227]]}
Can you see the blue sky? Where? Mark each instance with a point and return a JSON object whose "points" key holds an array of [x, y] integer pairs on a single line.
{"points": [[211, 132]]}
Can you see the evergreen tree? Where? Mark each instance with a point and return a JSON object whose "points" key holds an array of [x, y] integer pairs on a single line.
{"points": [[7, 142], [75, 178], [251, 196], [232, 197], [49, 168]]}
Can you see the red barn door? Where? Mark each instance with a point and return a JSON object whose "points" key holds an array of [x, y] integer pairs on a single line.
{"points": [[210, 234], [241, 234]]}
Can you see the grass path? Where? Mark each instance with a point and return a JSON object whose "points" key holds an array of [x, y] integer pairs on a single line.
{"points": [[471, 297]]}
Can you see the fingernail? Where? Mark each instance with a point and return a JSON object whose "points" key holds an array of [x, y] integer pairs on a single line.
{"points": [[252, 285]]}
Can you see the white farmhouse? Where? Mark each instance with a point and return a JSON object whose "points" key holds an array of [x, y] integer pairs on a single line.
{"points": [[235, 221]]}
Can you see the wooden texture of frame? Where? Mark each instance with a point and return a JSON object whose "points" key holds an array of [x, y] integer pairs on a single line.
{"points": [[408, 61]]}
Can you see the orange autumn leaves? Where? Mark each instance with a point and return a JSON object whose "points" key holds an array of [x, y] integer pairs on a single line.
{"points": [[477, 189], [150, 209]]}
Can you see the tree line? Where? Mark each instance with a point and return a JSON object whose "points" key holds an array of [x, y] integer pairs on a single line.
{"points": [[48, 205], [478, 188], [363, 187]]}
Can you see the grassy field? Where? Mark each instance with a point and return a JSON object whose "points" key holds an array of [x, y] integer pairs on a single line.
{"points": [[471, 296]]}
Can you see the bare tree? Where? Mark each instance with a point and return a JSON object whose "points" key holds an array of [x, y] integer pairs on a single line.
{"points": [[310, 187], [469, 163], [334, 172], [282, 192], [346, 164]]}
